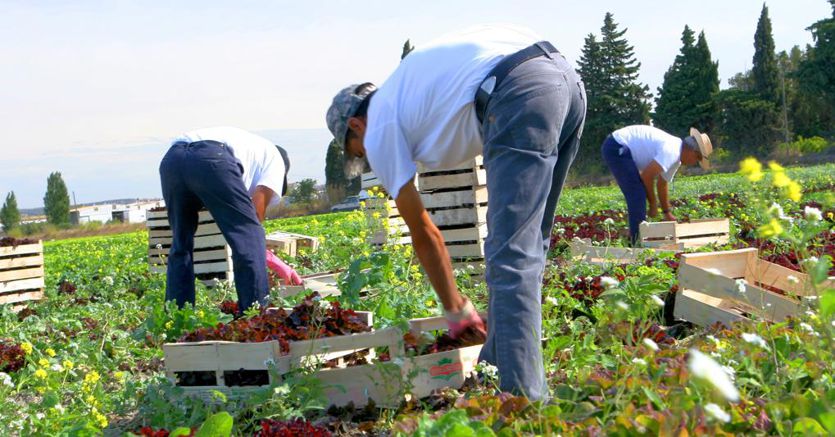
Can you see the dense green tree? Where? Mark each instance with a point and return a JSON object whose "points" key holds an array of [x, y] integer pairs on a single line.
{"points": [[816, 76], [9, 214], [765, 72], [57, 200], [615, 97], [687, 96], [305, 191], [748, 125], [335, 181]]}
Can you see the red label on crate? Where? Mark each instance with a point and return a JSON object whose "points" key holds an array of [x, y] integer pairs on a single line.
{"points": [[445, 369]]}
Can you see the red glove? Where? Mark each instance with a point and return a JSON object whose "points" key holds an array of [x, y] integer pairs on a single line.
{"points": [[283, 271], [466, 323]]}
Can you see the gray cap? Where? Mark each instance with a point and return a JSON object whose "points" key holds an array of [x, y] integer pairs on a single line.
{"points": [[343, 107]]}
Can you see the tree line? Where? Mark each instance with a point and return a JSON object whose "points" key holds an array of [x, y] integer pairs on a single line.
{"points": [[56, 205], [785, 96]]}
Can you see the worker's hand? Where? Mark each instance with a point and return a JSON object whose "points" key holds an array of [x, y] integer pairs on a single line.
{"points": [[668, 216], [466, 324], [283, 270], [652, 211]]}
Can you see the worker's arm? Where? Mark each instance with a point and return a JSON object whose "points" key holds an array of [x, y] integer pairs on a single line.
{"points": [[648, 177], [260, 199], [664, 199], [429, 247]]}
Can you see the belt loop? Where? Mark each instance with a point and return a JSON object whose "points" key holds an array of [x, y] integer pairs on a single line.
{"points": [[544, 50]]}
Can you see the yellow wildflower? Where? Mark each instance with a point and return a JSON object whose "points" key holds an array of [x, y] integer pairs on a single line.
{"points": [[119, 375], [50, 352], [43, 362], [169, 324], [92, 377], [27, 347], [772, 229], [752, 169], [68, 364], [773, 165], [201, 314], [781, 180], [100, 419], [40, 373], [794, 192]]}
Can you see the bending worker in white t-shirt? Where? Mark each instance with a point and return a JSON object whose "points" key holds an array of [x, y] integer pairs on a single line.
{"points": [[641, 156], [494, 91], [235, 175]]}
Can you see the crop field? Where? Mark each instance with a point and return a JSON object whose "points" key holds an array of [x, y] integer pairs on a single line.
{"points": [[88, 358]]}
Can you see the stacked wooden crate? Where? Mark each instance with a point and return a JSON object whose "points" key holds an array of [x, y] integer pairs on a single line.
{"points": [[732, 286], [456, 199], [237, 369], [212, 255], [21, 274], [679, 236], [289, 243]]}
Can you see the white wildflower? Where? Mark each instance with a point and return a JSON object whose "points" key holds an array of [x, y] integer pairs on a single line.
{"points": [[560, 231], [6, 379], [715, 354], [658, 301], [733, 362], [57, 368], [40, 416], [812, 213], [59, 408], [792, 279], [777, 211], [622, 305], [640, 361], [609, 282], [754, 339], [812, 260], [608, 221], [730, 371], [809, 329], [704, 367], [740, 286], [487, 369], [716, 412], [325, 305], [159, 246], [650, 344], [107, 280], [269, 362], [551, 300]]}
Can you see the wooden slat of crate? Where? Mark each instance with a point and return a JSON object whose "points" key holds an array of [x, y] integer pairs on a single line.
{"points": [[30, 260], [703, 310], [289, 243], [202, 230], [769, 305], [695, 234], [370, 180], [469, 179], [471, 233], [477, 162], [160, 256], [323, 283], [23, 249], [604, 255], [468, 197], [475, 250], [202, 242], [20, 297], [200, 268], [18, 274]]}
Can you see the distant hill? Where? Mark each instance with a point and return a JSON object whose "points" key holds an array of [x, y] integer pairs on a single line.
{"points": [[39, 211]]}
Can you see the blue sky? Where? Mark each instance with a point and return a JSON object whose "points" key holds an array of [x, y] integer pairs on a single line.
{"points": [[95, 89]]}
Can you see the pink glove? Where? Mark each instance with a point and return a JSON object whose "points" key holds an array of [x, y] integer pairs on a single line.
{"points": [[283, 271], [466, 323]]}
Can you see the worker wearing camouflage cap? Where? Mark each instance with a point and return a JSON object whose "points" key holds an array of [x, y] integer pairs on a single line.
{"points": [[498, 91]]}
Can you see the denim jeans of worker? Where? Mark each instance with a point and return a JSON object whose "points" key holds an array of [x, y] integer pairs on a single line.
{"points": [[532, 130], [206, 173], [619, 160]]}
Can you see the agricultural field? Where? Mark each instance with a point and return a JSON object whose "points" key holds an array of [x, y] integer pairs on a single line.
{"points": [[88, 358]]}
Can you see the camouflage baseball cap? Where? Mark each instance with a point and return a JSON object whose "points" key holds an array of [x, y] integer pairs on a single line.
{"points": [[345, 106]]}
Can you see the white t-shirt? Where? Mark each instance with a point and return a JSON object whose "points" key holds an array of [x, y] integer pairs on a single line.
{"points": [[424, 110], [649, 144], [261, 161]]}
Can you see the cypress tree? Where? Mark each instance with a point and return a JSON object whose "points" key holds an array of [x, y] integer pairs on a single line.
{"points": [[57, 200], [765, 72], [335, 180], [707, 86], [615, 97], [816, 75], [674, 110], [9, 214]]}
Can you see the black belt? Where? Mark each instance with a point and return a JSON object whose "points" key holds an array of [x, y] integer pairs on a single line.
{"points": [[503, 68]]}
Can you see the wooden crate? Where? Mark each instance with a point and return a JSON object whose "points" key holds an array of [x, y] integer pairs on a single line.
{"points": [[697, 233], [383, 382], [212, 255], [582, 249], [21, 274], [323, 283], [289, 243], [716, 275]]}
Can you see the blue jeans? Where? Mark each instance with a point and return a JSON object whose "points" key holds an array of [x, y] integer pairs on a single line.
{"points": [[619, 160], [206, 173], [531, 132]]}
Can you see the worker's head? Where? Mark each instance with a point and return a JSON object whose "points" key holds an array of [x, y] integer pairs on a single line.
{"points": [[696, 149], [347, 118]]}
